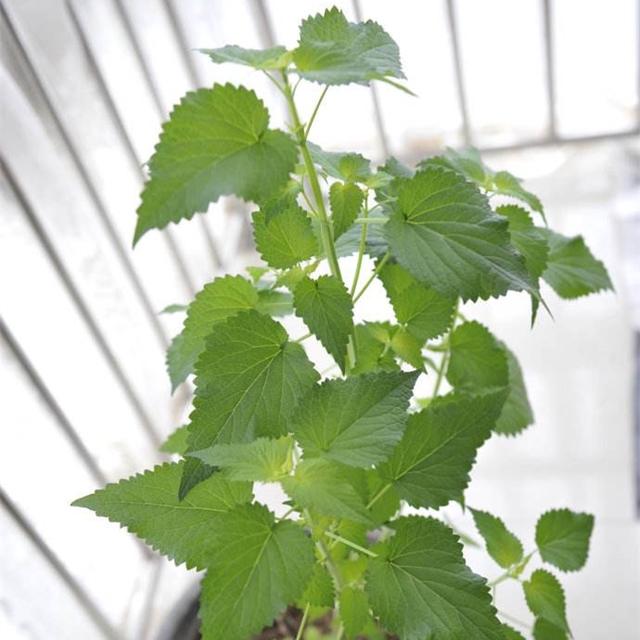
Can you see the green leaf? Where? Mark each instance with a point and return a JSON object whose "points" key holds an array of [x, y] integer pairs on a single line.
{"points": [[511, 634], [217, 301], [507, 184], [516, 414], [526, 238], [477, 360], [327, 309], [263, 59], [319, 590], [544, 630], [572, 270], [420, 586], [147, 505], [423, 311], [545, 598], [177, 441], [258, 568], [444, 232], [407, 346], [346, 201], [502, 545], [249, 379], [275, 303], [324, 487], [263, 460], [174, 308], [357, 421], [343, 165], [563, 538], [468, 163], [431, 464], [216, 142], [284, 237], [349, 242], [372, 353], [333, 51], [354, 610]]}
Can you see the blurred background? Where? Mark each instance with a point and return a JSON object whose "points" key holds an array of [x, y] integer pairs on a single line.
{"points": [[548, 89]]}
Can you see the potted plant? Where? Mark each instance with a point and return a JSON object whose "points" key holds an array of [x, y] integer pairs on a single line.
{"points": [[353, 447]]}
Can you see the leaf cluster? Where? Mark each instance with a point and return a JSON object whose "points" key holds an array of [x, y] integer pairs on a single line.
{"points": [[352, 447]]}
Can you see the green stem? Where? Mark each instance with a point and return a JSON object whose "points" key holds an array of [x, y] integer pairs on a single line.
{"points": [[366, 221], [315, 112], [326, 233], [303, 622], [377, 270], [494, 583], [440, 374], [353, 545], [304, 337], [361, 248], [445, 356], [324, 552]]}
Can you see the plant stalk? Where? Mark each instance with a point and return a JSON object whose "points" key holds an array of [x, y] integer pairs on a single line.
{"points": [[303, 622], [326, 232], [353, 545], [377, 270], [361, 248]]}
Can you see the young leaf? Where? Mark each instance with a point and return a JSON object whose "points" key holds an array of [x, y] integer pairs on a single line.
{"points": [[407, 346], [507, 184], [469, 164], [444, 232], [327, 309], [258, 568], [263, 59], [177, 441], [263, 460], [147, 505], [275, 303], [217, 301], [516, 414], [216, 142], [528, 239], [249, 379], [346, 201], [431, 464], [477, 360], [423, 311], [466, 162], [545, 598], [343, 165], [420, 586], [544, 630], [319, 590], [502, 545], [563, 538], [372, 353], [354, 610], [284, 237], [324, 487], [357, 421], [572, 270], [333, 51]]}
